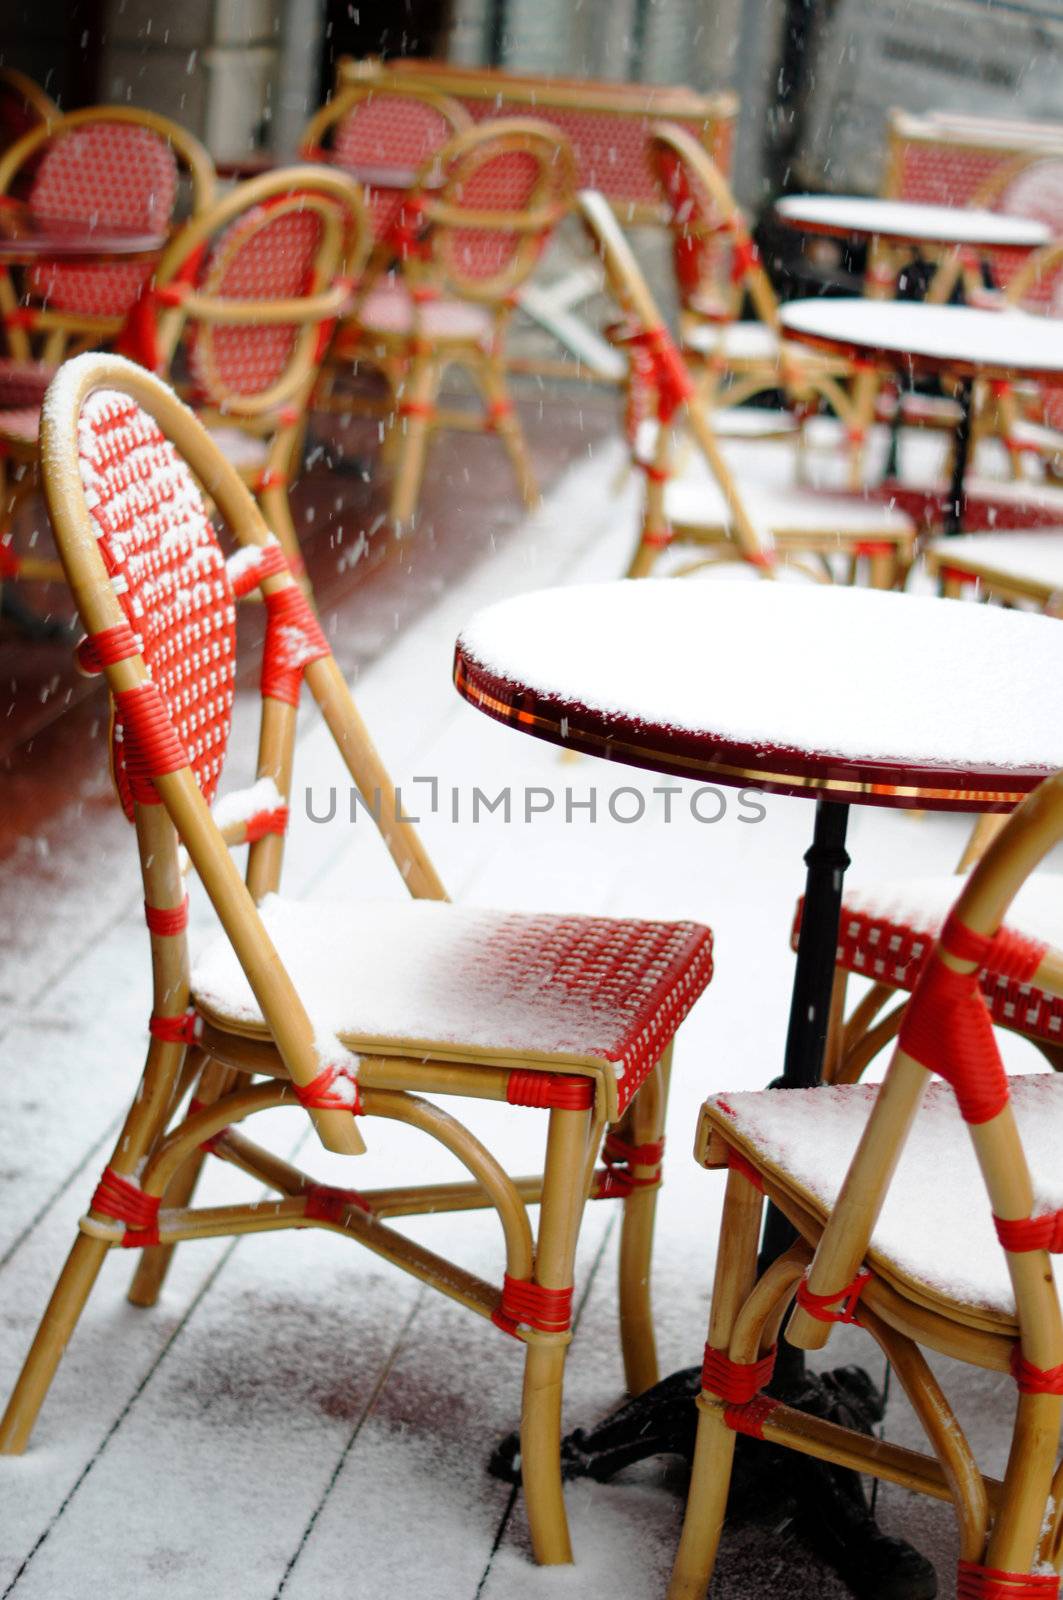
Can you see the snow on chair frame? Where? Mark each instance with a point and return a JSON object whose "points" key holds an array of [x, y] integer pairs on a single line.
{"points": [[724, 517], [859, 1170], [572, 1015]]}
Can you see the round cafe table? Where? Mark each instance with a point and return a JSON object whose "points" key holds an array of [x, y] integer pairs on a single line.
{"points": [[957, 340], [25, 239], [840, 694], [911, 223]]}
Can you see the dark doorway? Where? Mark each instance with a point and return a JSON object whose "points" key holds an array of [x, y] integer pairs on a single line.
{"points": [[361, 28]]}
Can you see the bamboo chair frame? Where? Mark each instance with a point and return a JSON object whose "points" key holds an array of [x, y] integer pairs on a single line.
{"points": [[1005, 1528], [739, 539], [415, 358], [682, 166], [173, 307], [161, 1146]]}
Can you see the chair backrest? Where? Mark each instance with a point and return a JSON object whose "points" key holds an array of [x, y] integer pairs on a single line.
{"points": [[672, 383], [23, 105], [116, 166], [1038, 286], [252, 287], [121, 456], [369, 128], [947, 1030], [714, 256], [483, 211]]}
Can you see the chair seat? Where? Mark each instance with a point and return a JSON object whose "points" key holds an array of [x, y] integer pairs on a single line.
{"points": [[245, 451], [887, 930], [23, 383], [428, 979], [1026, 559], [935, 1239], [694, 501], [390, 310], [731, 422], [735, 341]]}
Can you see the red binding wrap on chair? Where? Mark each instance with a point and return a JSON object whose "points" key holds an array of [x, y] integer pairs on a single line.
{"points": [[139, 338], [123, 1201], [527, 1304], [270, 561], [1010, 954], [293, 640], [1034, 1380], [167, 921], [750, 1417], [744, 256], [327, 1204], [183, 1029], [737, 1382], [671, 379], [975, 1582], [1031, 1233], [152, 745], [103, 649], [264, 822], [549, 1091], [738, 1163], [321, 1093], [822, 1306]]}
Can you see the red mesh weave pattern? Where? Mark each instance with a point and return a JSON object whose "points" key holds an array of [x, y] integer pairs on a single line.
{"points": [[503, 181], [168, 572], [113, 174], [259, 258], [386, 130], [896, 952]]}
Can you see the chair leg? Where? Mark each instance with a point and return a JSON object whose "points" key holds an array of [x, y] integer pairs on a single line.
{"points": [[544, 1366], [416, 409], [56, 1326], [503, 420], [637, 1341], [736, 1269], [882, 569]]}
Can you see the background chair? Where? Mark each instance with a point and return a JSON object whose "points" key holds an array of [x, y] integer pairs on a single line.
{"points": [[712, 509], [475, 225], [245, 297], [896, 1194], [573, 1015], [23, 105]]}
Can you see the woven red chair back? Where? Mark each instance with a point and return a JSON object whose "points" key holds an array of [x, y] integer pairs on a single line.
{"points": [[269, 253], [388, 130], [167, 569], [115, 174], [698, 224], [1036, 191]]}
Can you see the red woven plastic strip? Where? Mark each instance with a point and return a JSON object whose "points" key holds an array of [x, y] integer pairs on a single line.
{"points": [[1035, 1380], [616, 1151], [184, 1029], [269, 562], [167, 921], [737, 1382], [529, 1305], [326, 1204], [293, 640], [152, 747], [549, 1091], [116, 1197], [750, 1417], [103, 649], [823, 1306], [738, 1163], [264, 822], [947, 1029], [322, 1094], [974, 1582], [1009, 954], [1031, 1233], [744, 258], [671, 379]]}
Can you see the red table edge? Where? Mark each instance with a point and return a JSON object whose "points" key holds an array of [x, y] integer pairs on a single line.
{"points": [[716, 761]]}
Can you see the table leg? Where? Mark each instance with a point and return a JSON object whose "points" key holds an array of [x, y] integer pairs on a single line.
{"points": [[954, 512]]}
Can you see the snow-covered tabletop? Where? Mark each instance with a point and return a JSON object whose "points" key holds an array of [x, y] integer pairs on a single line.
{"points": [[959, 339], [852, 216], [858, 694]]}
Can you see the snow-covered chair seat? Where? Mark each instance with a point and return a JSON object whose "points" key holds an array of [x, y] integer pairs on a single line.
{"points": [[23, 382], [695, 502], [429, 979], [734, 341], [887, 930], [1008, 566], [389, 309], [804, 1140]]}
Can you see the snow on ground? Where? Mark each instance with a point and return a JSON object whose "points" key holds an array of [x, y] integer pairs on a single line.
{"points": [[295, 1416]]}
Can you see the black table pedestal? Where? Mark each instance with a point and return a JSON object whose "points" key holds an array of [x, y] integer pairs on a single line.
{"points": [[961, 453]]}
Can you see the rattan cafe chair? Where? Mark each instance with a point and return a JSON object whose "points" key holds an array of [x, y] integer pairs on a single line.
{"points": [[925, 1213], [572, 1015], [711, 510]]}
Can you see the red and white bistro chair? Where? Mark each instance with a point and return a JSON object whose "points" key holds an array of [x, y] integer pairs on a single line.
{"points": [[473, 228], [247, 296], [926, 1213], [352, 1010], [710, 508]]}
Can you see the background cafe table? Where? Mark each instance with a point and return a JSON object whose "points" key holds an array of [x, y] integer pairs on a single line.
{"points": [[958, 340], [857, 696], [25, 239]]}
